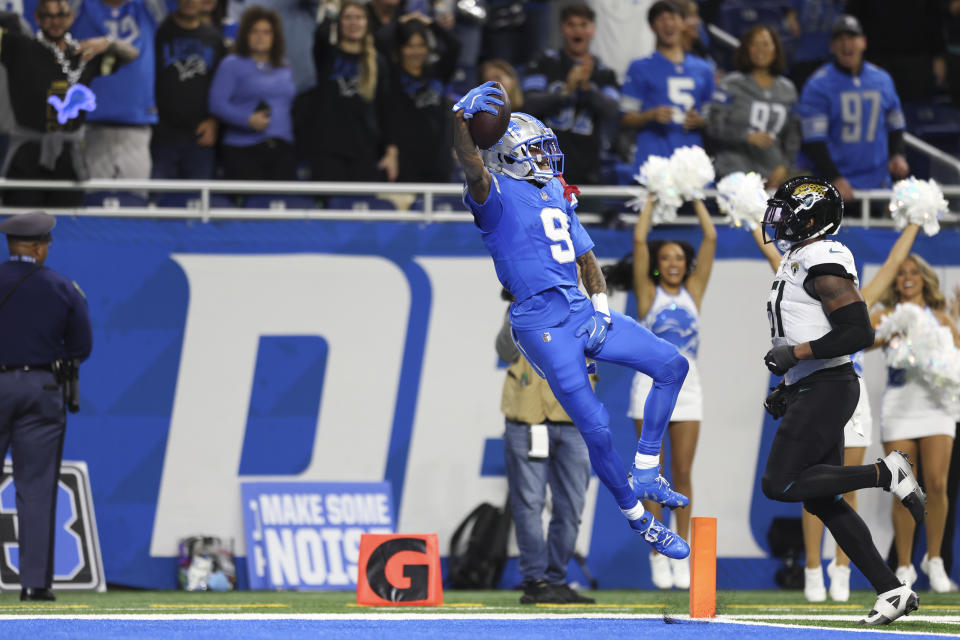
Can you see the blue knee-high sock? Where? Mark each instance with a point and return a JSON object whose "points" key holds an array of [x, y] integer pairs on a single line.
{"points": [[607, 463], [660, 402]]}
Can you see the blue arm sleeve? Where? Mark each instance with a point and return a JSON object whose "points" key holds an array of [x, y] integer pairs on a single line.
{"points": [[894, 110], [487, 215], [631, 94], [814, 112], [224, 81]]}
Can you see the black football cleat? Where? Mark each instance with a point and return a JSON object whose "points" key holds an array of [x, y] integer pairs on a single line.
{"points": [[28, 594]]}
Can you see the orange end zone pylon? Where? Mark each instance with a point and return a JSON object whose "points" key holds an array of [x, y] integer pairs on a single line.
{"points": [[703, 568]]}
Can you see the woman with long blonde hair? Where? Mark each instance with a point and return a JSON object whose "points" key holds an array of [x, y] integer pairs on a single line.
{"points": [[342, 126], [912, 421]]}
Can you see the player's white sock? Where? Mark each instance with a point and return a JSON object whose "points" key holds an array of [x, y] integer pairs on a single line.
{"points": [[644, 461], [633, 513]]}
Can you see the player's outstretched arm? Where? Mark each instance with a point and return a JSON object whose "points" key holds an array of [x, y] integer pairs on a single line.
{"points": [[769, 251], [643, 287], [697, 282], [477, 176], [888, 271]]}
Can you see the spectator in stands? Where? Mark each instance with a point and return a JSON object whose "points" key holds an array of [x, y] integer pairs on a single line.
{"points": [[341, 124], [187, 55], [14, 23], [517, 30], [852, 119], [118, 131], [297, 18], [809, 22], [694, 33], [419, 110], [214, 13], [665, 93], [41, 147], [501, 71], [574, 94], [907, 39], [751, 121], [252, 94], [623, 33], [913, 420]]}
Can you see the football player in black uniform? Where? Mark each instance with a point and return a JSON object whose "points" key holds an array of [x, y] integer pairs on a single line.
{"points": [[817, 319]]}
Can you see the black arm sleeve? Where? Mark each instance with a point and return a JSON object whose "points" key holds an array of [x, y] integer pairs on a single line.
{"points": [[823, 269], [820, 156], [851, 332], [896, 144]]}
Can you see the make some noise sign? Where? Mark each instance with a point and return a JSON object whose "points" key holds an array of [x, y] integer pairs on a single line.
{"points": [[306, 535]]}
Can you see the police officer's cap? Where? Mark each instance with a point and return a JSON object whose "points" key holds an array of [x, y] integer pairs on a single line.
{"points": [[28, 227]]}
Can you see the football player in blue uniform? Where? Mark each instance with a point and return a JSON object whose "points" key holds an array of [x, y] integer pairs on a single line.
{"points": [[665, 93], [527, 220], [852, 119]]}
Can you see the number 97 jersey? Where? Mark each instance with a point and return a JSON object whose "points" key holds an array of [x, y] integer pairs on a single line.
{"points": [[532, 233], [793, 308]]}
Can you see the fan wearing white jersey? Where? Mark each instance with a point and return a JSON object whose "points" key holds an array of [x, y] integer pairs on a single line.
{"points": [[857, 434], [669, 285], [817, 320]]}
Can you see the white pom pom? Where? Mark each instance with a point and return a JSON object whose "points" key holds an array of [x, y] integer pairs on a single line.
{"points": [[918, 201], [742, 197], [692, 171], [657, 178], [918, 343]]}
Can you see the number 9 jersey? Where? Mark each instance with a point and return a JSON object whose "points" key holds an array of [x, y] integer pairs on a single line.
{"points": [[535, 239], [793, 309]]}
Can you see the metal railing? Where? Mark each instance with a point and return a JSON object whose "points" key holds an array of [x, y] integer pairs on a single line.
{"points": [[200, 207]]}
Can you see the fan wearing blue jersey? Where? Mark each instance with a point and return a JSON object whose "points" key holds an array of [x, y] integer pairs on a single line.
{"points": [[852, 119], [525, 213], [665, 93]]}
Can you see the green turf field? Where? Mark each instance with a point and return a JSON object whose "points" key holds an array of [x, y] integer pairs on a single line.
{"points": [[938, 612]]}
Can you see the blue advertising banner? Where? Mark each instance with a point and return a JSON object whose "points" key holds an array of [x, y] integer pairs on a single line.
{"points": [[306, 535], [317, 351]]}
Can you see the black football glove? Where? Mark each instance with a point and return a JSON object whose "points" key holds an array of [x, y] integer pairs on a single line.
{"points": [[780, 359], [777, 402]]}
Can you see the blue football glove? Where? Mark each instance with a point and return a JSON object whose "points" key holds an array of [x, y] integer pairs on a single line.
{"points": [[596, 331], [480, 98]]}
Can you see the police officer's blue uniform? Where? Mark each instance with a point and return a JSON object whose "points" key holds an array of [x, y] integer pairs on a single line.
{"points": [[535, 237], [43, 319]]}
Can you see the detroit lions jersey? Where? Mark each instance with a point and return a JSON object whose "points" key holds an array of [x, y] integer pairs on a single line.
{"points": [[535, 238], [655, 81], [853, 115], [675, 318], [797, 317]]}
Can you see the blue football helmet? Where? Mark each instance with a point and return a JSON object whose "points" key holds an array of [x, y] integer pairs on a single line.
{"points": [[528, 150]]}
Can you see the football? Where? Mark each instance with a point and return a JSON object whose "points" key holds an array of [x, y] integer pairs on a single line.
{"points": [[486, 128]]}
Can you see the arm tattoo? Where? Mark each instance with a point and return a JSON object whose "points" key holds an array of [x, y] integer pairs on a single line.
{"points": [[593, 279], [836, 292], [466, 150]]}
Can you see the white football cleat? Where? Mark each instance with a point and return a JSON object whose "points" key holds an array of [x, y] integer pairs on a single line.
{"points": [[906, 574], [660, 571], [681, 573], [939, 580], [904, 485], [813, 589], [891, 605], [839, 581]]}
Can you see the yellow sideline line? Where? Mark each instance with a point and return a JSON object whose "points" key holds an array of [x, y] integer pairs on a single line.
{"points": [[275, 605]]}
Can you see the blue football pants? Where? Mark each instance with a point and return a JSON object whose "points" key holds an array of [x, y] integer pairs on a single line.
{"points": [[558, 354]]}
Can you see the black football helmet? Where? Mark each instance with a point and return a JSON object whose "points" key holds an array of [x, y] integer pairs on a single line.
{"points": [[803, 207]]}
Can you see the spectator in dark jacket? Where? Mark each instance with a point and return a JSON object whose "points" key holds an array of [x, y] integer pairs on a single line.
{"points": [[419, 109]]}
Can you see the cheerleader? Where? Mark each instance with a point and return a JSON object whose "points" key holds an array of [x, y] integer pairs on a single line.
{"points": [[913, 421], [669, 284]]}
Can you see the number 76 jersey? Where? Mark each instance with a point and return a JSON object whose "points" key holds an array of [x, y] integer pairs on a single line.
{"points": [[793, 309], [534, 237]]}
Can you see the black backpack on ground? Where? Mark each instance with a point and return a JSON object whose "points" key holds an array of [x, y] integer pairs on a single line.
{"points": [[478, 548]]}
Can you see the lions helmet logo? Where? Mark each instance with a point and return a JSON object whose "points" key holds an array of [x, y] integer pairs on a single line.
{"points": [[808, 194]]}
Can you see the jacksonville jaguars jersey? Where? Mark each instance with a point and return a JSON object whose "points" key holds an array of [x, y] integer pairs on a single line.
{"points": [[535, 238], [675, 318], [795, 315]]}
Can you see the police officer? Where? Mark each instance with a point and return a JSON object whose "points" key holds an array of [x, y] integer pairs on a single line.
{"points": [[43, 321]]}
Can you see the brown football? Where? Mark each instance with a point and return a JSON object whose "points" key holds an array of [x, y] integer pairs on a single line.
{"points": [[485, 128]]}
